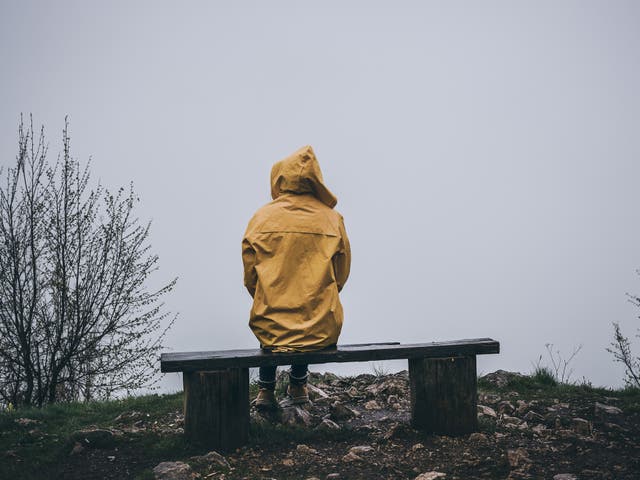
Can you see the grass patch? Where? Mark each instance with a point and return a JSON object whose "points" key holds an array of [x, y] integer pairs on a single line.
{"points": [[544, 376], [542, 383]]}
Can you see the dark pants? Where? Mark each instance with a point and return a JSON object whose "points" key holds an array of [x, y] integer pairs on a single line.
{"points": [[297, 376]]}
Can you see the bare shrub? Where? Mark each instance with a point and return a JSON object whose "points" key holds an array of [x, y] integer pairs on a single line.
{"points": [[76, 320]]}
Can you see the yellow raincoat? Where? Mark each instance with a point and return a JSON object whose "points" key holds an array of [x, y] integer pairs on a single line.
{"points": [[296, 259]]}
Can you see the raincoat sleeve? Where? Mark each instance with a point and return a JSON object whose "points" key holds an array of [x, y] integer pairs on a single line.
{"points": [[342, 259], [249, 261]]}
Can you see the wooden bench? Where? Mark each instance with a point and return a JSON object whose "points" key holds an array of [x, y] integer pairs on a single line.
{"points": [[216, 384]]}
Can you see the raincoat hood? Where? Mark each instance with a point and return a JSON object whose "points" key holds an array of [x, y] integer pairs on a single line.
{"points": [[300, 173]]}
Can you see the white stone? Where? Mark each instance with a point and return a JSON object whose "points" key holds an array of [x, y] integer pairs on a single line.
{"points": [[372, 405], [608, 409], [478, 437], [306, 450], [172, 471], [328, 424], [430, 475], [360, 449], [487, 411], [351, 457]]}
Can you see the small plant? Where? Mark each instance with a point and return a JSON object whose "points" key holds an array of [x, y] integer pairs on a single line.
{"points": [[621, 351], [544, 376], [379, 370], [559, 372]]}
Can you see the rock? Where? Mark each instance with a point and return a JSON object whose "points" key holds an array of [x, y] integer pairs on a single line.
{"points": [[430, 475], [532, 416], [360, 449], [565, 476], [390, 386], [522, 406], [212, 457], [77, 448], [518, 457], [315, 392], [489, 398], [506, 406], [172, 471], [312, 478], [614, 426], [566, 434], [581, 426], [339, 412], [306, 450], [353, 392], [95, 438], [511, 420], [397, 431], [288, 462], [483, 410], [392, 399], [327, 425], [351, 457], [416, 447], [294, 415], [333, 476], [26, 422], [478, 437], [111, 458], [539, 429], [372, 405], [13, 454], [130, 417], [501, 378], [601, 408]]}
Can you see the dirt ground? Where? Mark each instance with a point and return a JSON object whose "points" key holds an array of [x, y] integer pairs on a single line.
{"points": [[359, 428]]}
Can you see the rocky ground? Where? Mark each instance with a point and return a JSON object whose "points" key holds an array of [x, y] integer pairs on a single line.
{"points": [[358, 428]]}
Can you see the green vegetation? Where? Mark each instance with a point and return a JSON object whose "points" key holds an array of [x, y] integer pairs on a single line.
{"points": [[544, 376], [44, 445], [542, 383]]}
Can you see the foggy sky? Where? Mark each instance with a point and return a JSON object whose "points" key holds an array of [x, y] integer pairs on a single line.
{"points": [[485, 155]]}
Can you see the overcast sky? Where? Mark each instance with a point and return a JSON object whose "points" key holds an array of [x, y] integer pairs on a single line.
{"points": [[485, 155]]}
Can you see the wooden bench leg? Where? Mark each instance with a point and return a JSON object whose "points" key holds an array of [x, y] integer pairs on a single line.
{"points": [[216, 408], [444, 394]]}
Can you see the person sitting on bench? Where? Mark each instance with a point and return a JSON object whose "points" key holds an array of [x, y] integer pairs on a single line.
{"points": [[296, 258]]}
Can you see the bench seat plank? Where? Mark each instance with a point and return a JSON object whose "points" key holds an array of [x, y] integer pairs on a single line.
{"points": [[203, 361]]}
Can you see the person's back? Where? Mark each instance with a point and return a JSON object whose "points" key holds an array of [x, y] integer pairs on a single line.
{"points": [[296, 259]]}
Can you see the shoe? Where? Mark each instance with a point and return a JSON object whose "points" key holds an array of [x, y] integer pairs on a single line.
{"points": [[266, 400], [298, 394]]}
